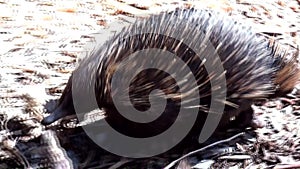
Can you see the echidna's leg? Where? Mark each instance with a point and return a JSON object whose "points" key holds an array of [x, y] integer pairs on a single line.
{"points": [[244, 119], [247, 118]]}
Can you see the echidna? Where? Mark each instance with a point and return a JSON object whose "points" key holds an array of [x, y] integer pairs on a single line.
{"points": [[254, 69]]}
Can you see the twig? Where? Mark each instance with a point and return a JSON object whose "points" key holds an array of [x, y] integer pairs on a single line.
{"points": [[287, 166], [201, 149], [120, 163]]}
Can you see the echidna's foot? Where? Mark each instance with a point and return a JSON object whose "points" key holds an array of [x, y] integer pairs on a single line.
{"points": [[246, 119], [243, 120]]}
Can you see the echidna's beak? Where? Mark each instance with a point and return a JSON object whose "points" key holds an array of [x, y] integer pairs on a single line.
{"points": [[57, 114]]}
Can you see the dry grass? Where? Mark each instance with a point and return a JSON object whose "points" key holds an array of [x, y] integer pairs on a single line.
{"points": [[41, 42]]}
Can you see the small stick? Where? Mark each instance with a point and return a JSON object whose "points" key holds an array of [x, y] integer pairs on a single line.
{"points": [[201, 149]]}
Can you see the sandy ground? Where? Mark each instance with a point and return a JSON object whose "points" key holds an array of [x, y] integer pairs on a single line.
{"points": [[41, 41]]}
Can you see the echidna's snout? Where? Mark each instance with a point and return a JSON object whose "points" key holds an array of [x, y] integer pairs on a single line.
{"points": [[57, 114]]}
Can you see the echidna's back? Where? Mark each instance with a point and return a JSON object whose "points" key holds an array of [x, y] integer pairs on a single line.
{"points": [[246, 59]]}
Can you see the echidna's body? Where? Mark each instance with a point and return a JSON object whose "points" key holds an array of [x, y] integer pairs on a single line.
{"points": [[252, 66]]}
